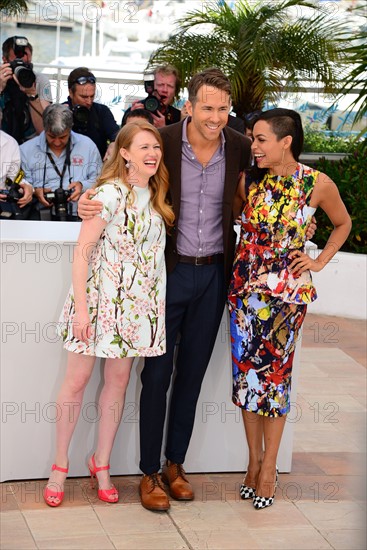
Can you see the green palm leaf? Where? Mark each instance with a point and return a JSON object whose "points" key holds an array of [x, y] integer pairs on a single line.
{"points": [[13, 7], [356, 56], [261, 46]]}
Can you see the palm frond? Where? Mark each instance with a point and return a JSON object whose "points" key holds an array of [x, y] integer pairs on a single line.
{"points": [[13, 7], [357, 77], [191, 53], [260, 45]]}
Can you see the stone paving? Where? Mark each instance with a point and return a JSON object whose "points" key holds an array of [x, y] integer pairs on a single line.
{"points": [[319, 505]]}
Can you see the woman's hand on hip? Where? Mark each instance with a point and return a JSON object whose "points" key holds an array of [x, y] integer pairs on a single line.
{"points": [[302, 262]]}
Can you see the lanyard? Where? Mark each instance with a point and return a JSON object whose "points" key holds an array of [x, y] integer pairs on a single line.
{"points": [[66, 165]]}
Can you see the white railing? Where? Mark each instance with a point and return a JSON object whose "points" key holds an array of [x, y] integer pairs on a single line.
{"points": [[58, 75], [117, 88]]}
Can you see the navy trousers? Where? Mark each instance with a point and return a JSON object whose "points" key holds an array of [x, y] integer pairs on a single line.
{"points": [[194, 307]]}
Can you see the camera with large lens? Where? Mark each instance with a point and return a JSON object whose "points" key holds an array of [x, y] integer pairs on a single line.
{"points": [[24, 73], [61, 209], [151, 103], [9, 208], [12, 191], [81, 118], [22, 70]]}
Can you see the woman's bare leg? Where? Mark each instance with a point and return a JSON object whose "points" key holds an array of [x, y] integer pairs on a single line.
{"points": [[111, 406], [254, 434], [273, 431], [78, 371]]}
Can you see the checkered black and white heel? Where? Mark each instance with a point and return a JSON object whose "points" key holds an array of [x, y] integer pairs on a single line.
{"points": [[265, 502], [246, 492]]}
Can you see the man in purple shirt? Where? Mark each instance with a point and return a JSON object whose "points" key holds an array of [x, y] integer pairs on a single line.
{"points": [[204, 158]]}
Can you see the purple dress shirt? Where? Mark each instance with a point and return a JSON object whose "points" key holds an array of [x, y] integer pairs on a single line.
{"points": [[199, 228]]}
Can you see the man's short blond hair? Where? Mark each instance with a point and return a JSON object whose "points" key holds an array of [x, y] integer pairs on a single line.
{"points": [[168, 70]]}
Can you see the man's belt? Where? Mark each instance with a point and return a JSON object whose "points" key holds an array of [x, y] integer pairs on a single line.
{"points": [[202, 260]]}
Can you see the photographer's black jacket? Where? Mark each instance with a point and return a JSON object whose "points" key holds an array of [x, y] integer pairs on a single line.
{"points": [[101, 127], [172, 115], [17, 120]]}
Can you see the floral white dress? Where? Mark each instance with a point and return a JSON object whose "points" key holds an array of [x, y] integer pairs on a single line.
{"points": [[126, 284]]}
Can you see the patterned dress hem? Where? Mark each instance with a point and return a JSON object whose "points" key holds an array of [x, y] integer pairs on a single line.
{"points": [[106, 353]]}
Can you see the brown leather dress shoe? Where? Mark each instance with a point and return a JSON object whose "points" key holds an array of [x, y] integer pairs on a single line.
{"points": [[174, 475], [152, 493]]}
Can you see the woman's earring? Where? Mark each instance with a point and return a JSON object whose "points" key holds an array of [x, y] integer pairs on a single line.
{"points": [[283, 156], [127, 165]]}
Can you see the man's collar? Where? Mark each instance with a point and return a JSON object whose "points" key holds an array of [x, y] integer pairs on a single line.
{"points": [[184, 129], [43, 141]]}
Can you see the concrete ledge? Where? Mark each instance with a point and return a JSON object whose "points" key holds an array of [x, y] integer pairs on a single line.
{"points": [[341, 286], [307, 158]]}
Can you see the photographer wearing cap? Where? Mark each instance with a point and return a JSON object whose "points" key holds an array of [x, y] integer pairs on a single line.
{"points": [[162, 86], [59, 164], [90, 118], [24, 93]]}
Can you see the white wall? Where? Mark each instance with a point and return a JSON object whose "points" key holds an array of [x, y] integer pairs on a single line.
{"points": [[341, 286], [35, 265], [35, 275]]}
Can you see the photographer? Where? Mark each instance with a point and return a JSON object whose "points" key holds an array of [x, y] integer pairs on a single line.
{"points": [[59, 164], [164, 85], [90, 119], [15, 192], [24, 93]]}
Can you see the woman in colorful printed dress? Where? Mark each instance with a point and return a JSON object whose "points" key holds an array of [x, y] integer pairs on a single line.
{"points": [[116, 306], [271, 285]]}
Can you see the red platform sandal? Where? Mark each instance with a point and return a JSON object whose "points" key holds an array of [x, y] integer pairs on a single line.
{"points": [[107, 495], [49, 494]]}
